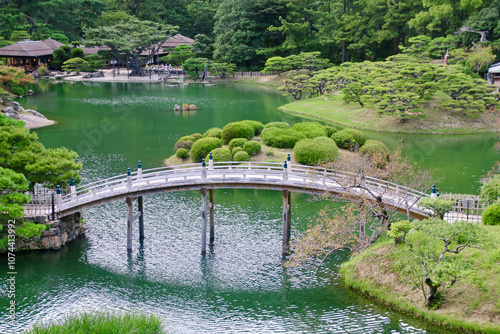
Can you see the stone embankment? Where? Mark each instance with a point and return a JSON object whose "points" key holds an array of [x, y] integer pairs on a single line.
{"points": [[32, 118], [60, 232]]}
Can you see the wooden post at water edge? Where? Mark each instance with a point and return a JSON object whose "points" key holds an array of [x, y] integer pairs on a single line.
{"points": [[203, 220], [211, 215], [286, 222]]}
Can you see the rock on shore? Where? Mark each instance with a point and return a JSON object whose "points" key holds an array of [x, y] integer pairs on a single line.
{"points": [[31, 118]]}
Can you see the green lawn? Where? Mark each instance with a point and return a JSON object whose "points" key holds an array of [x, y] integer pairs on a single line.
{"points": [[467, 307], [435, 121]]}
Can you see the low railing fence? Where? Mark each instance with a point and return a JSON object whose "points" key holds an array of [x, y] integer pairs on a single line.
{"points": [[254, 74], [42, 199], [466, 207]]}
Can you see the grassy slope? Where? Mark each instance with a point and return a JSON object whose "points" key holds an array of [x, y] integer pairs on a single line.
{"points": [[333, 109], [467, 308]]}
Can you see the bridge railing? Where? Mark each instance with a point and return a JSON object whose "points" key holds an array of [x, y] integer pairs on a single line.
{"points": [[277, 171]]}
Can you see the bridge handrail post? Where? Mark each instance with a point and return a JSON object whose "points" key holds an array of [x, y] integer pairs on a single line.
{"points": [[289, 161], [139, 170], [285, 171], [203, 170], [210, 162], [129, 179], [58, 198], [72, 188]]}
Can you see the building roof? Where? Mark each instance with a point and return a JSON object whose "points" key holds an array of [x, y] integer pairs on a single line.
{"points": [[30, 48], [177, 40], [171, 43], [494, 68]]}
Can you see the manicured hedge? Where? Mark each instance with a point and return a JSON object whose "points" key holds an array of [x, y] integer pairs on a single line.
{"points": [[196, 136], [236, 150], [491, 215], [358, 136], [237, 142], [241, 156], [203, 146], [317, 151], [252, 147], [220, 154], [186, 144], [281, 138], [376, 150], [330, 131], [184, 138], [213, 132], [255, 125], [346, 140], [181, 153], [236, 130], [280, 125], [310, 129]]}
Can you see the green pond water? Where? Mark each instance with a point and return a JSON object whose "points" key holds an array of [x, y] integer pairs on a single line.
{"points": [[240, 286]]}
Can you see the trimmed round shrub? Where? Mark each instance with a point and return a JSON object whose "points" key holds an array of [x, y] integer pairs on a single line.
{"points": [[280, 125], [490, 191], [241, 156], [190, 137], [255, 125], [42, 71], [310, 129], [345, 140], [204, 146], [252, 147], [358, 136], [236, 150], [196, 136], [330, 130], [220, 154], [181, 153], [491, 215], [237, 142], [314, 152], [376, 150], [213, 132], [186, 144], [281, 138], [236, 130]]}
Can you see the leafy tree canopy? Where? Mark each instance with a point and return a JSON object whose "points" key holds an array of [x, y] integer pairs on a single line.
{"points": [[128, 39]]}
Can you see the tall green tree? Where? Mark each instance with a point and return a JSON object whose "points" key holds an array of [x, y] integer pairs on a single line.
{"points": [[21, 152], [241, 30], [128, 39], [443, 16]]}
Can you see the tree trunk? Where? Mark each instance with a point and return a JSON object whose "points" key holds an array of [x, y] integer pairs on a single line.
{"points": [[432, 295], [343, 52], [396, 45], [136, 71]]}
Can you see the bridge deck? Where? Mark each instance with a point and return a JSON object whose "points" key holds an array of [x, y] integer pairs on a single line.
{"points": [[254, 175]]}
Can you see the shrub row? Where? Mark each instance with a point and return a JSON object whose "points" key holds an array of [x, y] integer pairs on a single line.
{"points": [[318, 144]]}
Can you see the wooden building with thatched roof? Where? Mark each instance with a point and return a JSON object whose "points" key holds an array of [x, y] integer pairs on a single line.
{"points": [[30, 54], [169, 45]]}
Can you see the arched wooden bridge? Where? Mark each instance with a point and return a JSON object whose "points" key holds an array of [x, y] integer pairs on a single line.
{"points": [[255, 175]]}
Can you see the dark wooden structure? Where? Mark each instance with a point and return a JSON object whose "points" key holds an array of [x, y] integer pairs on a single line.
{"points": [[30, 54]]}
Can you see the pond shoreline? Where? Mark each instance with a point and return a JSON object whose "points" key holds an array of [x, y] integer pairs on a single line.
{"points": [[334, 111]]}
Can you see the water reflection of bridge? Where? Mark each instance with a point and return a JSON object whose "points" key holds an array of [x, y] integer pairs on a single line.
{"points": [[255, 175]]}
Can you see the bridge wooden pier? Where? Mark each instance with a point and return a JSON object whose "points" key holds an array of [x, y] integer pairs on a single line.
{"points": [[286, 178]]}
